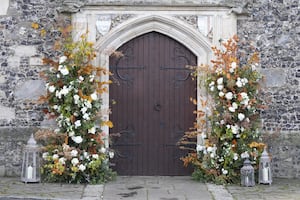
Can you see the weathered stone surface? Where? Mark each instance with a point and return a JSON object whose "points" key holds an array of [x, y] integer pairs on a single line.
{"points": [[4, 7], [274, 77], [31, 89], [7, 113]]}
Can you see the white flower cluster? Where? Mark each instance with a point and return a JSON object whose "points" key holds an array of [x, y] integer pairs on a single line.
{"points": [[241, 82], [232, 67]]}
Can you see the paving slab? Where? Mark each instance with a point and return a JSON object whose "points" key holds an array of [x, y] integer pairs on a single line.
{"points": [[155, 188]]}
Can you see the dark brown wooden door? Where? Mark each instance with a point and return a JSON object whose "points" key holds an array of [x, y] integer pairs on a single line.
{"points": [[151, 88]]}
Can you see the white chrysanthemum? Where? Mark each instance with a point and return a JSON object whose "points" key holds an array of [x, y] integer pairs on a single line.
{"points": [[81, 167], [229, 95], [220, 81], [51, 88], [62, 59], [94, 96], [74, 153], [77, 139], [241, 116], [92, 130], [74, 161], [77, 123]]}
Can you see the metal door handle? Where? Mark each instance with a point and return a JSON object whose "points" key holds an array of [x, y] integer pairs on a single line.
{"points": [[157, 107]]}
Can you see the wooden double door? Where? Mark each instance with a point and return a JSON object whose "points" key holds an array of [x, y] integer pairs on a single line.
{"points": [[151, 88]]}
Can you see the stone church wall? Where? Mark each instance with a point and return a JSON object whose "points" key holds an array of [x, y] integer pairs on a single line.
{"points": [[271, 26]]}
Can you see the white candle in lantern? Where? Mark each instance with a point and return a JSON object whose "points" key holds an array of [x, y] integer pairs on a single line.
{"points": [[29, 172], [265, 172], [247, 180]]}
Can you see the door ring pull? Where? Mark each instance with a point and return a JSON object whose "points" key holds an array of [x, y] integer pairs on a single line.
{"points": [[157, 107]]}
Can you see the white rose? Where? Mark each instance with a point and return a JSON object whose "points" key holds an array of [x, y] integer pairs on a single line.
{"points": [[245, 81], [83, 110], [74, 153], [51, 88], [77, 123], [229, 95], [62, 59], [86, 116], [103, 150], [212, 155], [209, 149], [63, 70], [76, 98], [92, 78], [235, 129], [220, 81], [45, 155], [74, 161], [77, 139], [81, 167], [55, 157], [81, 78], [235, 156], [245, 155], [199, 148], [234, 105], [71, 133], [221, 94], [241, 116], [239, 83], [95, 156], [62, 161], [212, 88], [92, 130], [220, 87], [64, 90], [94, 96], [224, 171], [211, 84], [233, 65], [231, 109]]}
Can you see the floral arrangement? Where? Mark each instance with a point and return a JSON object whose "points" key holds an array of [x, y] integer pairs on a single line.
{"points": [[229, 134], [75, 152]]}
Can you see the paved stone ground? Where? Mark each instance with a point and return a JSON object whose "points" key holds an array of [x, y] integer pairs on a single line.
{"points": [[149, 188]]}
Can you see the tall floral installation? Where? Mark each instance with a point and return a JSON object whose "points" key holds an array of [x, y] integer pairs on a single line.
{"points": [[75, 152], [229, 132]]}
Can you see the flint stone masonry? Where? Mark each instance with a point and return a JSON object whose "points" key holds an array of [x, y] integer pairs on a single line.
{"points": [[272, 28], [4, 7]]}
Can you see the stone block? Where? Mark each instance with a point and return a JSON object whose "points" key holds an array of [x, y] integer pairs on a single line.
{"points": [[7, 113], [4, 7], [2, 170], [13, 61], [35, 61], [31, 89], [23, 50], [274, 77]]}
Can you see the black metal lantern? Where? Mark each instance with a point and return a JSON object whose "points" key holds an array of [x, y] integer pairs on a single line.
{"points": [[265, 174], [31, 162], [247, 174]]}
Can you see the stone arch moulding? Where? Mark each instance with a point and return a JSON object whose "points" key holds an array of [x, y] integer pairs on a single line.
{"points": [[178, 30]]}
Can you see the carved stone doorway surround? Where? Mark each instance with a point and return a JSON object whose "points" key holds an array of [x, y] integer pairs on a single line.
{"points": [[197, 27]]}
